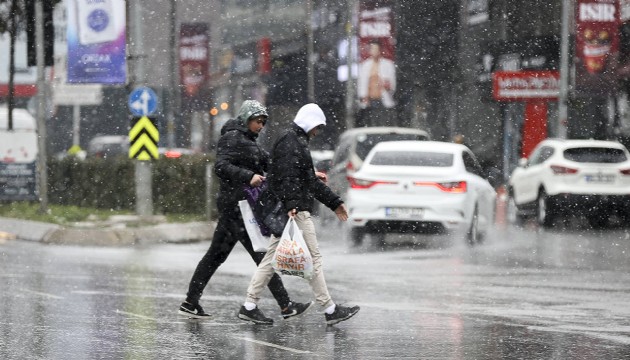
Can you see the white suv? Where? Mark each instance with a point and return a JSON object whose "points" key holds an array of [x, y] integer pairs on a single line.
{"points": [[561, 177]]}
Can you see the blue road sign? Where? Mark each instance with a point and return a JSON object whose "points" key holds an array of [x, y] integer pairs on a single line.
{"points": [[143, 101]]}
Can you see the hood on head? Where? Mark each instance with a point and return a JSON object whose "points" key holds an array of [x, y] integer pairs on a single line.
{"points": [[309, 117], [251, 108]]}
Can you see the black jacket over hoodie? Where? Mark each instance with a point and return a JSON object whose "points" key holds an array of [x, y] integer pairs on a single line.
{"points": [[292, 176], [239, 157]]}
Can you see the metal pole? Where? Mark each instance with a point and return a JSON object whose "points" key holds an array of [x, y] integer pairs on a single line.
{"points": [[309, 52], [41, 108], [76, 125], [564, 70], [350, 88], [139, 43], [143, 169], [13, 35], [170, 127], [144, 192]]}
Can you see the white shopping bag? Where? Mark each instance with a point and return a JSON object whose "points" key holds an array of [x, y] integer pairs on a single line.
{"points": [[259, 242], [292, 255]]}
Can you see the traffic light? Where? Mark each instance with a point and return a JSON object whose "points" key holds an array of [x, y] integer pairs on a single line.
{"points": [[49, 32]]}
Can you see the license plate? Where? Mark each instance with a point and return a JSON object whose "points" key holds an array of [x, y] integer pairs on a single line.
{"points": [[404, 212], [599, 178]]}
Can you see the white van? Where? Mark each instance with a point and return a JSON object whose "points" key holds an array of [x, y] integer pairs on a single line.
{"points": [[18, 156], [355, 144]]}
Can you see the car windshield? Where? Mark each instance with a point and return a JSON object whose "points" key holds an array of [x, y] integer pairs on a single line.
{"points": [[365, 143], [412, 158], [595, 155]]}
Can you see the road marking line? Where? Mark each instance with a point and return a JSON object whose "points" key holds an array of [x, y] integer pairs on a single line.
{"points": [[137, 315], [596, 333], [204, 321], [273, 345], [50, 296]]}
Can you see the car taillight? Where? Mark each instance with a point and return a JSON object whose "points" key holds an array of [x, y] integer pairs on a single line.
{"points": [[625, 171], [172, 154], [562, 170], [356, 183], [452, 186]]}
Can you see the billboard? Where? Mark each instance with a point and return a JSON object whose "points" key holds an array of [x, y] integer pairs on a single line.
{"points": [[194, 64], [96, 42], [596, 47], [194, 61], [376, 81], [526, 85], [18, 157]]}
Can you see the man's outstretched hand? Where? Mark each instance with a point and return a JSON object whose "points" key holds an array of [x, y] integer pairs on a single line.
{"points": [[322, 176], [342, 212]]}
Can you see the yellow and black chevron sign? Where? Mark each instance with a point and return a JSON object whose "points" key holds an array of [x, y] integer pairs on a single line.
{"points": [[143, 138]]}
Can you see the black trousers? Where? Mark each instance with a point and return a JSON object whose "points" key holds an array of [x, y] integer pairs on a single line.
{"points": [[229, 230]]}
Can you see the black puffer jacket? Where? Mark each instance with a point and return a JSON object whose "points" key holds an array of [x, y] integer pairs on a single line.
{"points": [[292, 176], [238, 158]]}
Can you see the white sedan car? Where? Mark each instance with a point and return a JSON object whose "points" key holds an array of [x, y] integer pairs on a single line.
{"points": [[565, 177], [419, 187]]}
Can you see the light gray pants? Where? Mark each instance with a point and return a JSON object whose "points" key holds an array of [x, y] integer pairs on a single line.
{"points": [[264, 272]]}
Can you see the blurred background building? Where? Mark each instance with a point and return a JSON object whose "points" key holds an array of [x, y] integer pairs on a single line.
{"points": [[203, 58]]}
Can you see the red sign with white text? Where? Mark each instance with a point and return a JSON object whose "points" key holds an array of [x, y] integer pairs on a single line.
{"points": [[525, 85], [597, 46], [194, 59]]}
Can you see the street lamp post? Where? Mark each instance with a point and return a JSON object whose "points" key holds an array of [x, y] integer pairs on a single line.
{"points": [[564, 70], [173, 94], [310, 72], [41, 107], [143, 169], [350, 89]]}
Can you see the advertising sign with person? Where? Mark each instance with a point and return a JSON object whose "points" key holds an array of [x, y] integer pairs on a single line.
{"points": [[376, 82]]}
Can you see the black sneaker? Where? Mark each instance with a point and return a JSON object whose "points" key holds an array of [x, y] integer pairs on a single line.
{"points": [[194, 311], [295, 309], [341, 313], [256, 316]]}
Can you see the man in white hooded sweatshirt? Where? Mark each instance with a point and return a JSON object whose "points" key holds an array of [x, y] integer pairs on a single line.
{"points": [[293, 180]]}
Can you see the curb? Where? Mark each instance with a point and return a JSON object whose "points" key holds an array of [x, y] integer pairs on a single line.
{"points": [[118, 236]]}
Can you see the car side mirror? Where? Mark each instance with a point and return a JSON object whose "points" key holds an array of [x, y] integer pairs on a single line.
{"points": [[522, 162]]}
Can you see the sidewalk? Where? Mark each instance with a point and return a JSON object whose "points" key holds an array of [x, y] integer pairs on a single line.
{"points": [[115, 232]]}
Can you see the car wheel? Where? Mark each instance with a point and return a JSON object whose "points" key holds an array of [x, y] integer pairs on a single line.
{"points": [[599, 218], [544, 210], [624, 215], [514, 216], [378, 239], [356, 236], [473, 235]]}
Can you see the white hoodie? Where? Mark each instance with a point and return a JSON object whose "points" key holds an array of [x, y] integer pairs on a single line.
{"points": [[309, 117]]}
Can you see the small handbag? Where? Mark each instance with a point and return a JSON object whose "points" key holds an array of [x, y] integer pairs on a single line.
{"points": [[271, 213]]}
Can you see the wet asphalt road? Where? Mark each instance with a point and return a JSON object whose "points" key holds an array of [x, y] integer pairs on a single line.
{"points": [[524, 294]]}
